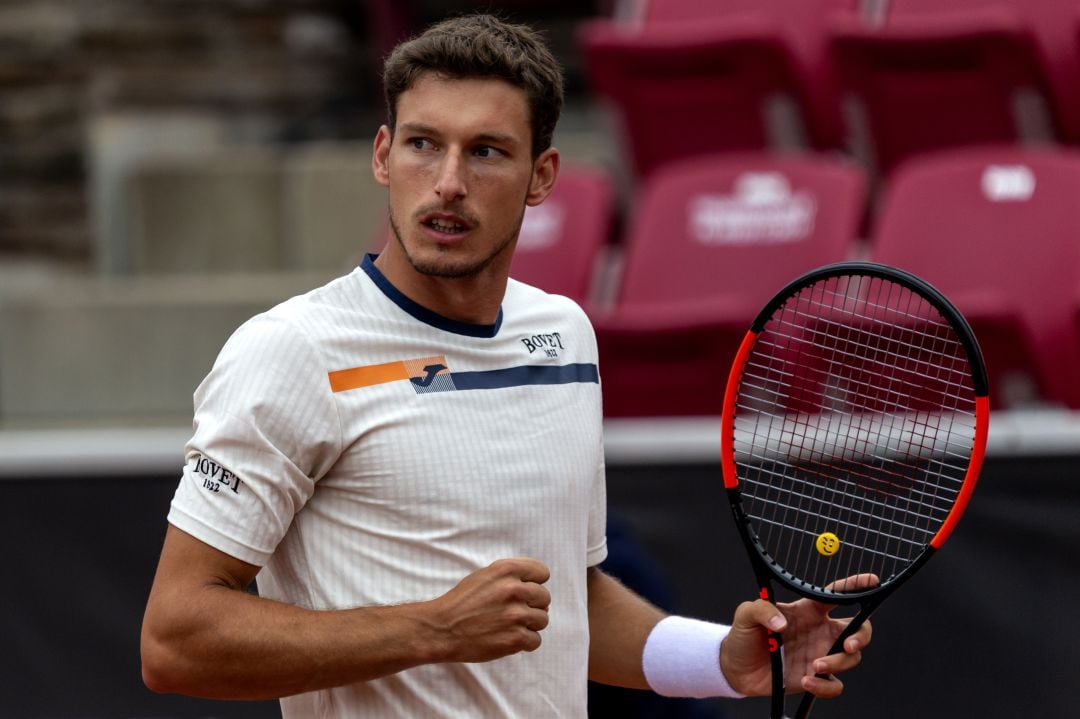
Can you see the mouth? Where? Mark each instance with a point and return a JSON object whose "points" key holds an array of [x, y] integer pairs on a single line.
{"points": [[446, 225]]}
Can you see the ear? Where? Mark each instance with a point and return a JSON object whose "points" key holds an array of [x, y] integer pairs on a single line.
{"points": [[545, 170], [380, 157]]}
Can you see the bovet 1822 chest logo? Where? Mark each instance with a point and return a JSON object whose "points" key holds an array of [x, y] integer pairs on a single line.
{"points": [[213, 476], [549, 343]]}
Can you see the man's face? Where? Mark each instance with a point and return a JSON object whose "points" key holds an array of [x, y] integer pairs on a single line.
{"points": [[460, 173]]}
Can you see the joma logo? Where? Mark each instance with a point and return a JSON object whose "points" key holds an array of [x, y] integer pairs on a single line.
{"points": [[431, 371]]}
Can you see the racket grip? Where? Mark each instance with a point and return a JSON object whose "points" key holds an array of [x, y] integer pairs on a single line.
{"points": [[776, 659]]}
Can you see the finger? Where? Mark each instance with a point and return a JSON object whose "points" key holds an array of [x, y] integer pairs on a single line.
{"points": [[860, 639], [533, 641], [761, 613], [854, 583], [532, 595], [536, 620], [526, 569], [822, 688], [836, 663], [537, 597]]}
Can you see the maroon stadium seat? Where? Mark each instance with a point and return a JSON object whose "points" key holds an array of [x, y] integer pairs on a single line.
{"points": [[561, 239], [939, 75], [803, 24], [711, 240], [995, 230], [1055, 24], [690, 78]]}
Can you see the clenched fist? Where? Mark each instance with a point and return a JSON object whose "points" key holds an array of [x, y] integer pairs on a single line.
{"points": [[494, 612]]}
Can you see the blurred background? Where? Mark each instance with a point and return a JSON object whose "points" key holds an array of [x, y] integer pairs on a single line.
{"points": [[169, 168]]}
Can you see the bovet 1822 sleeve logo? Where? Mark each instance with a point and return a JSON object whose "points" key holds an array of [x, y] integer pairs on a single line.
{"points": [[213, 476]]}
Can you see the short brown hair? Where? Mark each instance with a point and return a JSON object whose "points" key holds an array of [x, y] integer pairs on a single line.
{"points": [[482, 46]]}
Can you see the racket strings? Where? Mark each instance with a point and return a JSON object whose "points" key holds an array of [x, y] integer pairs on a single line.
{"points": [[874, 357], [956, 378], [855, 420], [931, 352], [864, 512]]}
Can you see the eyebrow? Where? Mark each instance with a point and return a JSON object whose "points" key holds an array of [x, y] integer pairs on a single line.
{"points": [[496, 137]]}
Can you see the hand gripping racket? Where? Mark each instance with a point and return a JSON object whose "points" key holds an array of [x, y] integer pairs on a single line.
{"points": [[853, 430]]}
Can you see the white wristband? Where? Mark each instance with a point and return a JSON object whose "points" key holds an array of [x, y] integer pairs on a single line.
{"points": [[682, 659]]}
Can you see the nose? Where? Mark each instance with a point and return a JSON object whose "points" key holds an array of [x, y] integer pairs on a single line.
{"points": [[450, 183]]}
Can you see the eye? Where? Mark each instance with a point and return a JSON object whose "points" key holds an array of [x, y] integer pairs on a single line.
{"points": [[420, 143], [487, 152]]}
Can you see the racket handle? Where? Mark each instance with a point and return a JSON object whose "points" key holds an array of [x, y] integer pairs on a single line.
{"points": [[807, 703], [776, 660], [779, 690]]}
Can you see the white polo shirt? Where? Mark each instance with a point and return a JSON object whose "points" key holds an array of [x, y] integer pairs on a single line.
{"points": [[366, 451]]}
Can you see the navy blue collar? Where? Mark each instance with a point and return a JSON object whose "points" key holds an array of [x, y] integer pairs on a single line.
{"points": [[422, 313]]}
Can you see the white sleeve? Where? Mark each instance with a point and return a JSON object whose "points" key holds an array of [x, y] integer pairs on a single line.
{"points": [[597, 550], [266, 429]]}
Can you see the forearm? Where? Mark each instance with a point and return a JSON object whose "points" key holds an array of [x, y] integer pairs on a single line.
{"points": [[203, 635], [222, 642], [683, 654], [619, 624]]}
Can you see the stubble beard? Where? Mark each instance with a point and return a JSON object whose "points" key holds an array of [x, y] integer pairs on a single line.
{"points": [[448, 267]]}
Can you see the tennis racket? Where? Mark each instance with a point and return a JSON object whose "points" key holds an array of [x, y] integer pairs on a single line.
{"points": [[853, 430]]}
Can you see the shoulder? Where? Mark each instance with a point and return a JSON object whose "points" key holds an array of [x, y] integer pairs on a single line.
{"points": [[302, 319], [283, 345], [531, 313], [521, 297]]}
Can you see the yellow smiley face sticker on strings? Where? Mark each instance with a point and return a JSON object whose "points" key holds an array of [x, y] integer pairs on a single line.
{"points": [[827, 544]]}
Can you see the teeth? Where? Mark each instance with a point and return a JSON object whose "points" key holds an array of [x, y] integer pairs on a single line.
{"points": [[444, 226]]}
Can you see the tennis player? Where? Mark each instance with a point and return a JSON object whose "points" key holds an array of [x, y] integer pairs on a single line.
{"points": [[410, 458]]}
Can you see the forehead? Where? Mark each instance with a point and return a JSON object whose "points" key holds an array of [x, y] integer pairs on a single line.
{"points": [[468, 105]]}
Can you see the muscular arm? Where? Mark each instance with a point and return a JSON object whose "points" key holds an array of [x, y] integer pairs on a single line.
{"points": [[203, 635]]}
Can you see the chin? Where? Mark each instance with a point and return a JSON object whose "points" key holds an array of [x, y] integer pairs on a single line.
{"points": [[439, 264], [450, 261]]}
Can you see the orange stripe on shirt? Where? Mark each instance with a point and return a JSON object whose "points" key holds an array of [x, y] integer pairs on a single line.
{"points": [[356, 377]]}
